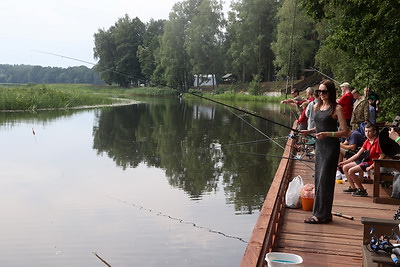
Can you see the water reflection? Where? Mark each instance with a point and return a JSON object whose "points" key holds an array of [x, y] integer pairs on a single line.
{"points": [[110, 180], [185, 140]]}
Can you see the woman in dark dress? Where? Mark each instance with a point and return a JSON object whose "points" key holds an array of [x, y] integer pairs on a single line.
{"points": [[328, 116]]}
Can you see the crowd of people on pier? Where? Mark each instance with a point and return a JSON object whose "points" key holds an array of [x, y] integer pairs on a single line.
{"points": [[347, 139]]}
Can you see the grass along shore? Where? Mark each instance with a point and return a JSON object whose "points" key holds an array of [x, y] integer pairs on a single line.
{"points": [[47, 97], [32, 97]]}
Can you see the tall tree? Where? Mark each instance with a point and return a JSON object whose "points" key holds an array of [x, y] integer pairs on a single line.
{"points": [[249, 35], [171, 57], [295, 44], [173, 60], [204, 38], [366, 31], [116, 50], [147, 51], [104, 51]]}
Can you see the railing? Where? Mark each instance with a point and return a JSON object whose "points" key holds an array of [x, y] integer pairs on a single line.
{"points": [[266, 230]]}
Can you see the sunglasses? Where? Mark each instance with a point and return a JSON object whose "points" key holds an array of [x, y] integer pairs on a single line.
{"points": [[321, 92]]}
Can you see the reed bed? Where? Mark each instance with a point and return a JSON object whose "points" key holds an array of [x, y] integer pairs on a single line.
{"points": [[47, 97], [62, 96], [237, 96]]}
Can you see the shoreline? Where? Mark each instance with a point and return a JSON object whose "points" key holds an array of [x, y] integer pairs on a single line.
{"points": [[123, 102]]}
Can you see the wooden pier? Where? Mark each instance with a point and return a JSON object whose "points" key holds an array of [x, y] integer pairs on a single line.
{"points": [[281, 229]]}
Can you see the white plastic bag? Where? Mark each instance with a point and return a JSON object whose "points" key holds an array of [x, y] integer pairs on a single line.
{"points": [[292, 197]]}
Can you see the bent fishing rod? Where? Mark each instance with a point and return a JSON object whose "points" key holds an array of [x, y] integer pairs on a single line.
{"points": [[181, 91]]}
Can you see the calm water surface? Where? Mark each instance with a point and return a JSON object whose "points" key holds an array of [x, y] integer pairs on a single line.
{"points": [[165, 183]]}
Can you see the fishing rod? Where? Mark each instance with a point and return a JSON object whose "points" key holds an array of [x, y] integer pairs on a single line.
{"points": [[274, 156], [291, 51], [241, 110], [258, 130], [181, 91], [330, 78], [255, 141], [93, 64]]}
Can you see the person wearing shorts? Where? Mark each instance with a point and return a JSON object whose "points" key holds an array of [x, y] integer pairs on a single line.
{"points": [[351, 167]]}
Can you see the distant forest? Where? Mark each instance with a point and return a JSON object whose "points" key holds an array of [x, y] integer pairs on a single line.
{"points": [[48, 75]]}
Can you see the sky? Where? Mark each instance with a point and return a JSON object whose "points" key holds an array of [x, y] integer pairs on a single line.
{"points": [[65, 27]]}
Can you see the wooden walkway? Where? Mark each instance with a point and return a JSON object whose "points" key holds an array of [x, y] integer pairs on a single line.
{"points": [[334, 244], [282, 229]]}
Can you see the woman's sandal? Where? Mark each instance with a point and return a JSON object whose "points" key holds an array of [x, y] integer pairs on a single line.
{"points": [[314, 220]]}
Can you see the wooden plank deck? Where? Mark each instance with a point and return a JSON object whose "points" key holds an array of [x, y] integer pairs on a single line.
{"points": [[334, 244], [282, 229]]}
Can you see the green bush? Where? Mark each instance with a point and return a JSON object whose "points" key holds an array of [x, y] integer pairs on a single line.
{"points": [[255, 85]]}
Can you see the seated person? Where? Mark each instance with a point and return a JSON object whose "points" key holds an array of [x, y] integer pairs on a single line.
{"points": [[351, 145], [350, 167]]}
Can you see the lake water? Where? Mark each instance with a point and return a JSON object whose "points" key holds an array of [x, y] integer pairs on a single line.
{"points": [[163, 183]]}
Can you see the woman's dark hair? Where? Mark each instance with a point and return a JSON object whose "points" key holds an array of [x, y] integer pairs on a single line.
{"points": [[330, 86]]}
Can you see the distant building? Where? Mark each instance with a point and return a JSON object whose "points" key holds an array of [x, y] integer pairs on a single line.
{"points": [[228, 78], [204, 80]]}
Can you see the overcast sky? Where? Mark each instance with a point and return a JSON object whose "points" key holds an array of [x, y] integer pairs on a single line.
{"points": [[64, 27]]}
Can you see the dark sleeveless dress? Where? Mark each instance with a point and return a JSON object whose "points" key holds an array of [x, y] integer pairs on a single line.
{"points": [[326, 161]]}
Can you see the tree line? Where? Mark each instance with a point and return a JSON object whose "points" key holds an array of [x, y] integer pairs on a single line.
{"points": [[39, 74], [262, 40]]}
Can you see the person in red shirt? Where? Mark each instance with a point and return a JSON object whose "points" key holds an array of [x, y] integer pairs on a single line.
{"points": [[346, 101], [302, 121], [350, 167]]}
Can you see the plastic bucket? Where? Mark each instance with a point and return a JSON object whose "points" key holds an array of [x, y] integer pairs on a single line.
{"points": [[307, 203], [280, 259]]}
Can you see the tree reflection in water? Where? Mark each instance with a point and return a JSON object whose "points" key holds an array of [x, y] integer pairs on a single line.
{"points": [[192, 142]]}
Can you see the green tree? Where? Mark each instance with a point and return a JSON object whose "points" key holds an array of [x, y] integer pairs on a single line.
{"points": [[104, 51], [249, 35], [255, 86], [295, 44], [147, 51], [367, 32], [117, 49], [204, 38], [172, 58]]}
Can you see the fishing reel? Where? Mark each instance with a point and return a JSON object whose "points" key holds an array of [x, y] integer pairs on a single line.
{"points": [[383, 243]]}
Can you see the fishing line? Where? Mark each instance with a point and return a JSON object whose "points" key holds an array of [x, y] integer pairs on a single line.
{"points": [[178, 90], [158, 213], [258, 130], [255, 141], [93, 64], [241, 110], [272, 156]]}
